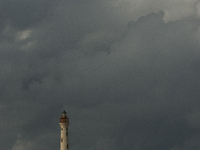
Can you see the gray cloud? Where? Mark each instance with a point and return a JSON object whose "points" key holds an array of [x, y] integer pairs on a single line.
{"points": [[23, 14], [126, 82]]}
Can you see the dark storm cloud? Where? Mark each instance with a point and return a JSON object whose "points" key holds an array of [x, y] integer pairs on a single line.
{"points": [[23, 13], [151, 87], [130, 87]]}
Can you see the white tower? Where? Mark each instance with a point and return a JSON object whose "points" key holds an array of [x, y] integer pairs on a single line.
{"points": [[64, 122]]}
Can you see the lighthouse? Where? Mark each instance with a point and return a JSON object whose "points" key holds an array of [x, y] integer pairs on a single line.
{"points": [[64, 140]]}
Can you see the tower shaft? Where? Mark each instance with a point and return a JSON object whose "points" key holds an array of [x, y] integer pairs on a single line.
{"points": [[64, 140]]}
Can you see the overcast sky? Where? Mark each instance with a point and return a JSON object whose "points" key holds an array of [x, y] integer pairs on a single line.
{"points": [[126, 71]]}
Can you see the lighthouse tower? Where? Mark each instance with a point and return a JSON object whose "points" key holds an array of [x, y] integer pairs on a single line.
{"points": [[64, 122]]}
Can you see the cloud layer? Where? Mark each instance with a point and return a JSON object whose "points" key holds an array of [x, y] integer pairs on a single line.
{"points": [[127, 72]]}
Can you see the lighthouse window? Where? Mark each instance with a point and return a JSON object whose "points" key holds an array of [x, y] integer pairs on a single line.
{"points": [[66, 133], [66, 128], [61, 128], [61, 140], [67, 146]]}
